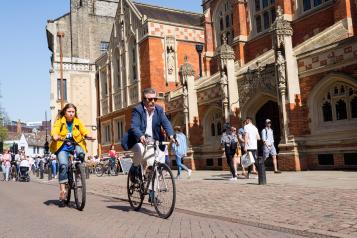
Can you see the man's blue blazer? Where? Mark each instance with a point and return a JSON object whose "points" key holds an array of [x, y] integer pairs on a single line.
{"points": [[138, 126]]}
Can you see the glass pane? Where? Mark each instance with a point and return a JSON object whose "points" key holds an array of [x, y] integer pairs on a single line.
{"points": [[354, 107], [257, 5], [219, 128], [327, 111], [341, 112], [265, 3], [306, 5], [258, 22], [266, 20], [317, 2], [227, 21], [213, 131], [273, 14]]}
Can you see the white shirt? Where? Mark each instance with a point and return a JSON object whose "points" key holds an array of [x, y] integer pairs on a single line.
{"points": [[268, 136], [24, 163], [148, 130], [252, 133]]}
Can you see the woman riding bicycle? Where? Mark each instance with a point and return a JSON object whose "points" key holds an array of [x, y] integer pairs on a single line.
{"points": [[68, 135]]}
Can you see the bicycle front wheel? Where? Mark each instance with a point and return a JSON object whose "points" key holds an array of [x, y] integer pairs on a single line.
{"points": [[135, 191], [99, 170], [80, 187], [165, 191]]}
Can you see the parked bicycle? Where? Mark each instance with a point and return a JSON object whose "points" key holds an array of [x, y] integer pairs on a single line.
{"points": [[158, 182], [107, 166]]}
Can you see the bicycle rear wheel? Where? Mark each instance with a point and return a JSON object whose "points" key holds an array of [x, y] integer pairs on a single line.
{"points": [[99, 170], [165, 191], [80, 187], [135, 189]]}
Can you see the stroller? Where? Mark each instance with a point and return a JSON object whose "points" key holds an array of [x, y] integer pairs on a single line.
{"points": [[24, 171]]}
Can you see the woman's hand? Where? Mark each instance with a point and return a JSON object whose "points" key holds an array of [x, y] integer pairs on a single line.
{"points": [[56, 137]]}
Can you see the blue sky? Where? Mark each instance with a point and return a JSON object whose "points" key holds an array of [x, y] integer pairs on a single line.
{"points": [[25, 58]]}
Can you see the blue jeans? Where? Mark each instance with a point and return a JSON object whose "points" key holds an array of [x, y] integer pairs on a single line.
{"points": [[180, 165], [54, 167], [6, 170], [63, 157]]}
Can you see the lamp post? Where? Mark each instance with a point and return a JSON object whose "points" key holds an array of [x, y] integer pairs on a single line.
{"points": [[60, 35], [199, 49]]}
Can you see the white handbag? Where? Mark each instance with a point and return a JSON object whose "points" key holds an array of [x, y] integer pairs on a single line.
{"points": [[247, 159]]}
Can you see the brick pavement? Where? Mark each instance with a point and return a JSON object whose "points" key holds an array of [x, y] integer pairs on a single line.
{"points": [[305, 203]]}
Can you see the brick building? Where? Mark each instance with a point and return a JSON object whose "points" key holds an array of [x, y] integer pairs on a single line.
{"points": [[293, 61], [85, 36]]}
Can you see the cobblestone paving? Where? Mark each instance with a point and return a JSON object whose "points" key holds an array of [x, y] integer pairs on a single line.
{"points": [[311, 206]]}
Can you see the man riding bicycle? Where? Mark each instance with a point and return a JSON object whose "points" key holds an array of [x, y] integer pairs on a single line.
{"points": [[68, 135], [146, 121]]}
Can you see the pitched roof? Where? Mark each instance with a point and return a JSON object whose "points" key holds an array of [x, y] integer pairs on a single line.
{"points": [[38, 139], [169, 15]]}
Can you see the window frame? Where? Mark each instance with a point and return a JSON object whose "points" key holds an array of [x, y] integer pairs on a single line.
{"points": [[260, 12], [59, 96]]}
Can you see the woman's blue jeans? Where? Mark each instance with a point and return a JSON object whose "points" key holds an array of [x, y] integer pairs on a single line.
{"points": [[63, 157], [180, 165], [6, 170]]}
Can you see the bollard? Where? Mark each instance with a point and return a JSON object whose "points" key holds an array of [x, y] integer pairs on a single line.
{"points": [[262, 180], [87, 172]]}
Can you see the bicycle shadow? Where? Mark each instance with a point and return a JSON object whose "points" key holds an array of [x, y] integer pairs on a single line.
{"points": [[57, 203], [129, 209]]}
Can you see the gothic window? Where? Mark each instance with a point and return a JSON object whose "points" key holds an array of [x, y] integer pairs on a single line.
{"points": [[339, 103], [213, 130], [264, 14], [80, 3], [310, 4], [119, 129], [224, 22], [213, 126], [219, 128], [133, 60], [104, 46], [59, 94]]}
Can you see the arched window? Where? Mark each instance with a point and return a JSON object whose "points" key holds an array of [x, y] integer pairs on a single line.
{"points": [[264, 14], [339, 103], [219, 128], [213, 126], [223, 19], [213, 131]]}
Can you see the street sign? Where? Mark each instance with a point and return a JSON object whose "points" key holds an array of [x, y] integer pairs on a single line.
{"points": [[125, 164]]}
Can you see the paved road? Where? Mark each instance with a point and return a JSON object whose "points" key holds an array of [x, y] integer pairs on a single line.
{"points": [[31, 210]]}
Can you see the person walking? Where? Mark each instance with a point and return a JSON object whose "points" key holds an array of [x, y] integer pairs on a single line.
{"points": [[268, 146], [54, 165], [112, 158], [180, 150], [6, 158], [229, 141], [251, 137]]}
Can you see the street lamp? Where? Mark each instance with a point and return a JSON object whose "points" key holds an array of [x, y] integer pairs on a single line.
{"points": [[199, 49]]}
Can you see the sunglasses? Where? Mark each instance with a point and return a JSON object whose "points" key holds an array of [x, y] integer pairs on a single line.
{"points": [[150, 99]]}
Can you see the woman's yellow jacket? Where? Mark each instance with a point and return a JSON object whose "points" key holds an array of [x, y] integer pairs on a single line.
{"points": [[79, 131]]}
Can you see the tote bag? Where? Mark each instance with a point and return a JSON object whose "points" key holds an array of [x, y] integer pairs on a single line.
{"points": [[247, 159]]}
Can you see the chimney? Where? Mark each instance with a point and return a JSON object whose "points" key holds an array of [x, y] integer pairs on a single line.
{"points": [[18, 127]]}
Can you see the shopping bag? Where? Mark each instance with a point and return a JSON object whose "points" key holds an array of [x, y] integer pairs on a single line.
{"points": [[247, 159]]}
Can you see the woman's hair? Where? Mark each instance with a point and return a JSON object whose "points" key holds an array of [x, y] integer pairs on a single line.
{"points": [[64, 109]]}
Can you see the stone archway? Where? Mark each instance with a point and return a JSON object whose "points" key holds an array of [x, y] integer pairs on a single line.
{"points": [[270, 110]]}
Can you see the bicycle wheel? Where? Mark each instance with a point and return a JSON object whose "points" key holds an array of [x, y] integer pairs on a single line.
{"points": [[134, 188], [165, 191], [99, 170], [69, 191], [80, 187]]}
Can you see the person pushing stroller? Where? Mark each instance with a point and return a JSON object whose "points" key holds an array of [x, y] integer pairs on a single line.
{"points": [[24, 170]]}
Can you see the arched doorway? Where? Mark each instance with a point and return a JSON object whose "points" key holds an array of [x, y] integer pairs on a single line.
{"points": [[270, 110]]}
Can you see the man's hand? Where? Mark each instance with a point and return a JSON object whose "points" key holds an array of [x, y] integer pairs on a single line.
{"points": [[173, 140], [143, 139], [56, 137]]}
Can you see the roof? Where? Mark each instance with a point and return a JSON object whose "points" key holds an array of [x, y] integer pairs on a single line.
{"points": [[170, 15], [38, 139]]}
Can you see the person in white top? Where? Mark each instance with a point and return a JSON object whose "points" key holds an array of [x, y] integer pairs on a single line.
{"points": [[251, 137], [269, 148]]}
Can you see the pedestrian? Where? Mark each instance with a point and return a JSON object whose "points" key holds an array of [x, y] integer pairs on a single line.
{"points": [[251, 137], [6, 164], [54, 165], [180, 150], [229, 141], [112, 157], [241, 143], [268, 146]]}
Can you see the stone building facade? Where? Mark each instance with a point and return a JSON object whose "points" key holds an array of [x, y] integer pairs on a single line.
{"points": [[86, 31], [273, 59]]}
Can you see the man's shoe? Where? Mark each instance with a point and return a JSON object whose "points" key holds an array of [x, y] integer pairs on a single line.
{"points": [[233, 179], [277, 172]]}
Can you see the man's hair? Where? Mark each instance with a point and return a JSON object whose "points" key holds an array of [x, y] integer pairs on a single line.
{"points": [[248, 119], [149, 91]]}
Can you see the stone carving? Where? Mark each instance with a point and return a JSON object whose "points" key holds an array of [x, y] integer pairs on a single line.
{"points": [[170, 55], [260, 79], [280, 63], [281, 28]]}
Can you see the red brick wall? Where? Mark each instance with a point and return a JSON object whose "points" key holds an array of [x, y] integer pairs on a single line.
{"points": [[257, 46], [189, 49]]}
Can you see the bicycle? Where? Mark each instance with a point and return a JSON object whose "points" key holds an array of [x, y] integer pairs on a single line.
{"points": [[159, 178], [76, 180], [106, 167]]}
